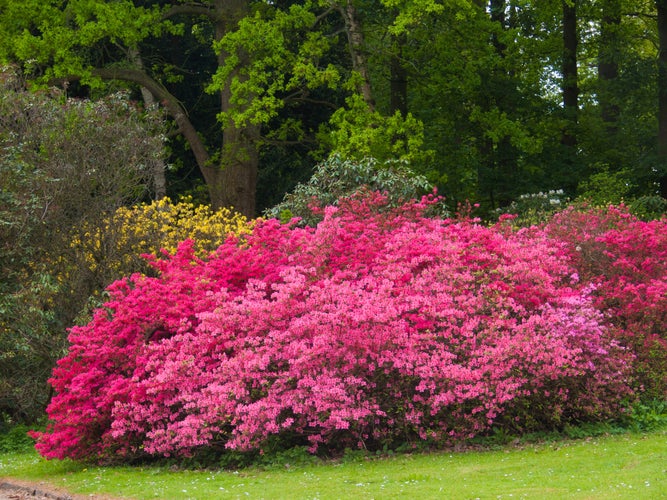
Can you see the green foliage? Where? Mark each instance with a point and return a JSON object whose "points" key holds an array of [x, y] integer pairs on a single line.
{"points": [[649, 415], [649, 207], [483, 85], [337, 177], [31, 341], [357, 132], [297, 456], [278, 455], [58, 41], [606, 187], [15, 439], [278, 53]]}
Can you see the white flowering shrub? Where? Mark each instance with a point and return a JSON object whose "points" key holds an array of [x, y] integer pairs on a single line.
{"points": [[535, 208], [338, 178]]}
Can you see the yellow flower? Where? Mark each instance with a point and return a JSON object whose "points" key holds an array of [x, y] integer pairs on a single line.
{"points": [[113, 248]]}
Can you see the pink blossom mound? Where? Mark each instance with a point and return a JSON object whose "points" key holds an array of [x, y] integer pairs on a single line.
{"points": [[377, 328], [626, 259]]}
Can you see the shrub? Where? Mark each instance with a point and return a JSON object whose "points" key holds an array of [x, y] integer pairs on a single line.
{"points": [[63, 162], [358, 132], [535, 208], [337, 178], [649, 207], [113, 247], [68, 171], [15, 439], [626, 260], [29, 347], [378, 328]]}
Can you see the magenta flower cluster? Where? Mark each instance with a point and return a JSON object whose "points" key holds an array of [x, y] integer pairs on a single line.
{"points": [[380, 327], [626, 260]]}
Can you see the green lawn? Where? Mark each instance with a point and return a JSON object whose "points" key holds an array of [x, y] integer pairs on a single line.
{"points": [[618, 466]]}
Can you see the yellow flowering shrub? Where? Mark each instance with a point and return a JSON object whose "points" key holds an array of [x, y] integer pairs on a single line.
{"points": [[114, 246], [164, 224]]}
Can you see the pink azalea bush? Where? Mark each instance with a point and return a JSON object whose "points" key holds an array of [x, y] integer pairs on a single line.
{"points": [[626, 259], [376, 328]]}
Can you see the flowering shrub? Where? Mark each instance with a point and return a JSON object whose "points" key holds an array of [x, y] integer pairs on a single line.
{"points": [[115, 245], [337, 178], [63, 280], [626, 259], [535, 208], [376, 328]]}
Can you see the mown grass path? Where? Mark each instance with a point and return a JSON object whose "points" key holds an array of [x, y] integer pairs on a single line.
{"points": [[632, 466]]}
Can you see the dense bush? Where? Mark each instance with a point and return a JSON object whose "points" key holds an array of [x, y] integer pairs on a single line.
{"points": [[376, 329], [626, 261], [68, 281], [69, 170], [534, 208], [360, 132]]}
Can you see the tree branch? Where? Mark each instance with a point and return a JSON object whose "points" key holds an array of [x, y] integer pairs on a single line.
{"points": [[169, 101], [191, 9]]}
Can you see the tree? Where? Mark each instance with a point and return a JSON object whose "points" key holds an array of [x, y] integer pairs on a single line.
{"points": [[513, 96], [570, 80], [608, 64], [478, 87], [267, 57], [355, 38], [619, 116]]}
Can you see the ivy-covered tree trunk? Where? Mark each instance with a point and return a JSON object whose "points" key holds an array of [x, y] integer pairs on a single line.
{"points": [[608, 63], [662, 95], [570, 74]]}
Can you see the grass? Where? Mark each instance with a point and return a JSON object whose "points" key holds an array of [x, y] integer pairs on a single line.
{"points": [[629, 465]]}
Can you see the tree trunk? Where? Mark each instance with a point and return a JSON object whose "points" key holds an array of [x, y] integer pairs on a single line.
{"points": [[171, 103], [662, 95], [570, 74], [158, 167], [608, 65], [355, 39], [233, 183], [499, 169], [399, 77]]}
